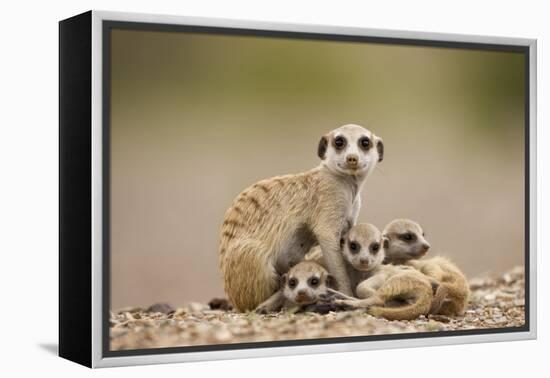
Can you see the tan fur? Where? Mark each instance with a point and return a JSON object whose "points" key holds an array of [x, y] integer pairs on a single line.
{"points": [[288, 297], [407, 285], [452, 293], [316, 255], [272, 224], [363, 263], [364, 234], [382, 286], [390, 284]]}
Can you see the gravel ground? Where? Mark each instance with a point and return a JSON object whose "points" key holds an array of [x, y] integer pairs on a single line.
{"points": [[495, 302]]}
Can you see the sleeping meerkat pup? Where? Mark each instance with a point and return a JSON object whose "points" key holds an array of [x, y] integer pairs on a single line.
{"points": [[392, 292], [405, 243], [305, 284], [272, 224]]}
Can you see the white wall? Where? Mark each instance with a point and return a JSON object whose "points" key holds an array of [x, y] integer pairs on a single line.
{"points": [[28, 163]]}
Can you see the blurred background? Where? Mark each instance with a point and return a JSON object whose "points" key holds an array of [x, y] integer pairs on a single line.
{"points": [[196, 118]]}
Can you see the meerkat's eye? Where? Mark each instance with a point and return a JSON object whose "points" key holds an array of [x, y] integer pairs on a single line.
{"points": [[292, 283], [374, 248], [408, 237], [354, 247], [339, 142], [314, 281], [364, 143]]}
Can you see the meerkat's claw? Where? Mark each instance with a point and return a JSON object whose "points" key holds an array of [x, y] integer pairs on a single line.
{"points": [[325, 298], [335, 294]]}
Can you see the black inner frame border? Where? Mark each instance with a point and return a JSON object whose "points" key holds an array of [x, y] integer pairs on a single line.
{"points": [[108, 25]]}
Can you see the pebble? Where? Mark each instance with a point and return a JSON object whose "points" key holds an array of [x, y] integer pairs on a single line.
{"points": [[164, 308]]}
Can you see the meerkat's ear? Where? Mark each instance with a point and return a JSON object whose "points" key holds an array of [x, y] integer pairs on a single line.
{"points": [[380, 148], [282, 280], [322, 149], [330, 281], [344, 235], [435, 286], [385, 242]]}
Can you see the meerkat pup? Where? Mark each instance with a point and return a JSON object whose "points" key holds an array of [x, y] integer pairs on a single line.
{"points": [[305, 284], [405, 243], [392, 292], [363, 253], [272, 224]]}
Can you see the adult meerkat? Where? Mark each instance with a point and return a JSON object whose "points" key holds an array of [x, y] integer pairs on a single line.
{"points": [[392, 292], [274, 223], [305, 284], [405, 243]]}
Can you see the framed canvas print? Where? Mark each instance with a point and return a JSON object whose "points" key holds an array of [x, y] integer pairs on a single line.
{"points": [[232, 189]]}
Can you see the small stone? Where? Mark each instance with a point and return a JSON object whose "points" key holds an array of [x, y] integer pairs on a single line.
{"points": [[519, 302], [164, 308], [440, 318], [507, 278], [197, 307], [490, 297], [130, 309], [180, 312], [220, 304]]}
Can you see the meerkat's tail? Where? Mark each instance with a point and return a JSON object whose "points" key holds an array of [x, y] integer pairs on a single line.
{"points": [[454, 298], [416, 291], [439, 297]]}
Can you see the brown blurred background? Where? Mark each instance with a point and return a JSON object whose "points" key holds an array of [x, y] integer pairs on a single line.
{"points": [[196, 118]]}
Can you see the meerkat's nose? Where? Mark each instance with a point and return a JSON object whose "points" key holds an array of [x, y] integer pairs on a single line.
{"points": [[425, 247], [364, 261], [352, 160], [301, 292]]}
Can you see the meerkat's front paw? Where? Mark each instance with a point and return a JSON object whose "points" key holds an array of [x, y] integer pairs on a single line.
{"points": [[349, 303], [262, 310], [335, 294], [325, 298]]}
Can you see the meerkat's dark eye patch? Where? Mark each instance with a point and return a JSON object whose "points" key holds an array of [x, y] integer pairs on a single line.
{"points": [[365, 143], [314, 281], [292, 283], [408, 237], [339, 142], [374, 248], [354, 247]]}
